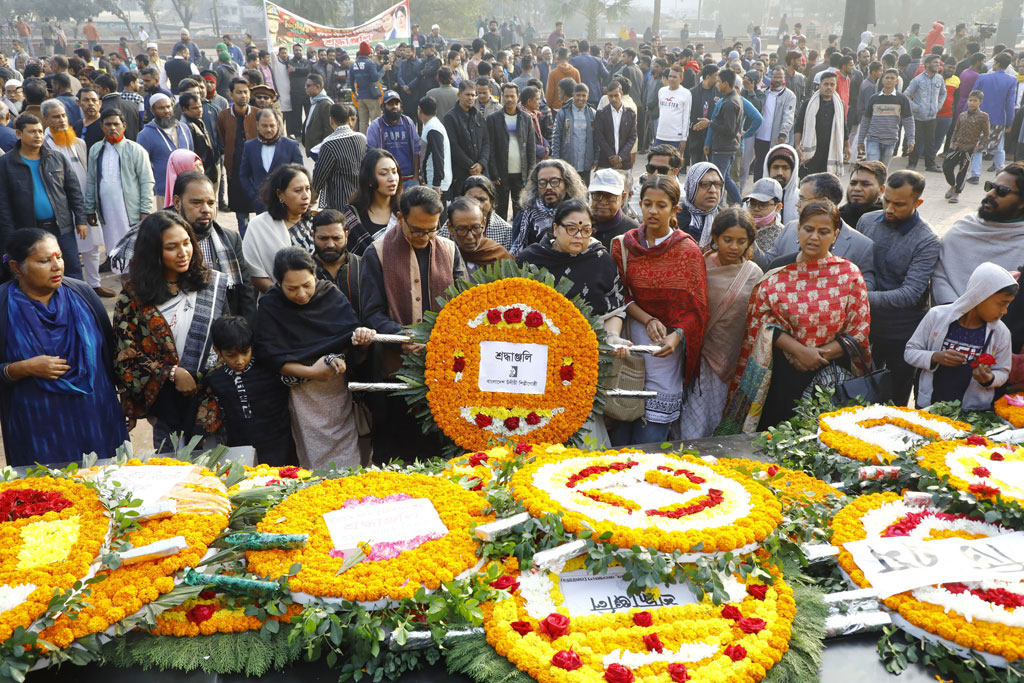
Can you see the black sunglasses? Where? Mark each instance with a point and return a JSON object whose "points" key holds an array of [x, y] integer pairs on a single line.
{"points": [[662, 170], [1000, 190]]}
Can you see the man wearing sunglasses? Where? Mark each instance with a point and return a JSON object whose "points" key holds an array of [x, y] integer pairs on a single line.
{"points": [[994, 234]]}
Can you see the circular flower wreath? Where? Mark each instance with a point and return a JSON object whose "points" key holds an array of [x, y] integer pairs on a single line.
{"points": [[738, 641], [851, 431], [130, 587], [1011, 408], [975, 467], [691, 502], [974, 615], [51, 530], [505, 303], [428, 564]]}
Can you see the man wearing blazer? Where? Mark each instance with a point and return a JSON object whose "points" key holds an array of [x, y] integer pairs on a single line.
{"points": [[615, 132], [318, 122], [266, 152], [510, 163]]}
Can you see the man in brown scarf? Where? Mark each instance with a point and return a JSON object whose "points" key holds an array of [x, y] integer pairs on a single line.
{"points": [[466, 225]]}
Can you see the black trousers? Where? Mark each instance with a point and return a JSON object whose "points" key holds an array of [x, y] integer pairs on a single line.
{"points": [[761, 149], [889, 352], [509, 187], [924, 141], [955, 165]]}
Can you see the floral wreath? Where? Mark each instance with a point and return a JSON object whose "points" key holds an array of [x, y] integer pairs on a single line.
{"points": [[737, 641], [1011, 408], [210, 613], [852, 432], [51, 531], [975, 467], [791, 486], [973, 615], [391, 571], [265, 475], [692, 503], [202, 514], [519, 305]]}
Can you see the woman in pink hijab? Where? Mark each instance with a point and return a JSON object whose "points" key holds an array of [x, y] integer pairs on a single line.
{"points": [[180, 161]]}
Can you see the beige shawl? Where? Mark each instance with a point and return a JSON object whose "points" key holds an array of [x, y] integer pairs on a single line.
{"points": [[729, 289]]}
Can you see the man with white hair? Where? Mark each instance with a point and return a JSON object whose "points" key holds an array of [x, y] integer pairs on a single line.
{"points": [[60, 138], [186, 40], [162, 136]]}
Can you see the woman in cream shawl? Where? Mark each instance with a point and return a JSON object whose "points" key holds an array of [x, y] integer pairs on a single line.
{"points": [[731, 278]]}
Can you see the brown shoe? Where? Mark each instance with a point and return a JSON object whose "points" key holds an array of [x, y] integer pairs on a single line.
{"points": [[104, 292]]}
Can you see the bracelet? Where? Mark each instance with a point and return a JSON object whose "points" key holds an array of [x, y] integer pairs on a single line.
{"points": [[330, 358]]}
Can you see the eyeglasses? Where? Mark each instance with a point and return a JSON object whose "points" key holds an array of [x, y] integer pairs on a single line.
{"points": [[709, 184], [662, 170], [578, 229], [1000, 190], [553, 183], [416, 232], [602, 197], [471, 228]]}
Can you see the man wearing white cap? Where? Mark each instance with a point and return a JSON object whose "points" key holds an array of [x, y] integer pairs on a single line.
{"points": [[162, 136], [153, 52], [186, 40], [436, 39], [607, 195], [13, 97]]}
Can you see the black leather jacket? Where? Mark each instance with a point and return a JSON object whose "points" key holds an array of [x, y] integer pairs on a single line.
{"points": [[16, 198]]}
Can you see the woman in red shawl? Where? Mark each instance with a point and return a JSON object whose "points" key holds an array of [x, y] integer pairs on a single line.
{"points": [[805, 301], [663, 273]]}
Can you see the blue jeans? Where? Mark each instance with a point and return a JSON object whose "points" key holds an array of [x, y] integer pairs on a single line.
{"points": [[941, 128], [999, 159], [724, 162], [876, 151], [637, 432], [68, 244], [243, 222]]}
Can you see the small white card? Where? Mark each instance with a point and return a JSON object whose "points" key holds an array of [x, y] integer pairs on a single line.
{"points": [[586, 594], [513, 368], [151, 483], [894, 565], [394, 521]]}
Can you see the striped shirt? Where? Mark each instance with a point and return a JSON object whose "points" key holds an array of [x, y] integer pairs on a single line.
{"points": [[336, 173]]}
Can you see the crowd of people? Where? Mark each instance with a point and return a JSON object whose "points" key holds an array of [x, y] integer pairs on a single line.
{"points": [[753, 244]]}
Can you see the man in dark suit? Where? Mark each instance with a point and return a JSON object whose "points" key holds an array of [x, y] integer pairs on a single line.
{"points": [[467, 134], [615, 131], [268, 151], [510, 163]]}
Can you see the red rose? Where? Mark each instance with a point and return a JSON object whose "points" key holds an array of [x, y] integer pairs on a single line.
{"points": [[459, 364], [482, 420], [653, 643], [289, 472], [479, 483], [523, 448], [773, 470], [976, 440], [751, 625], [984, 359], [732, 612], [521, 627], [477, 459], [200, 613], [617, 673], [998, 457], [494, 316], [513, 315], [567, 372], [736, 652], [566, 659], [983, 490], [555, 625], [678, 672], [505, 582], [512, 423], [643, 619], [981, 472], [759, 591], [208, 595], [532, 419], [534, 319]]}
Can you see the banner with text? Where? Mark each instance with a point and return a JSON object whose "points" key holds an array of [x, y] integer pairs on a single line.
{"points": [[284, 28]]}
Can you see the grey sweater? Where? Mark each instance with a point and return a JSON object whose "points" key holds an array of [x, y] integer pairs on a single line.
{"points": [[905, 258], [883, 116]]}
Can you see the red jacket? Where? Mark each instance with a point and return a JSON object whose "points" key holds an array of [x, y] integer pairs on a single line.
{"points": [[934, 37]]}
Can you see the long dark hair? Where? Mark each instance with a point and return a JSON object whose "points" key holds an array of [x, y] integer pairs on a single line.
{"points": [[362, 198], [278, 181], [146, 271]]}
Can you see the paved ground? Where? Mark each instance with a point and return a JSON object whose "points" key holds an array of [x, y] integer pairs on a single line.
{"points": [[940, 214]]}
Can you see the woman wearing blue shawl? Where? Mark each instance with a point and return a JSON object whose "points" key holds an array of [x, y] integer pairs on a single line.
{"points": [[57, 397]]}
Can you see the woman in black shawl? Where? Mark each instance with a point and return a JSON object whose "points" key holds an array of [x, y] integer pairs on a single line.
{"points": [[304, 328]]}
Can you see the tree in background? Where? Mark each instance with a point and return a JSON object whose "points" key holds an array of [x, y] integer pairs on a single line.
{"points": [[149, 8], [592, 11]]}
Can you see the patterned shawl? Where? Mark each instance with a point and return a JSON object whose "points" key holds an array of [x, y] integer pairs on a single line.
{"points": [[811, 300], [700, 220], [668, 281]]}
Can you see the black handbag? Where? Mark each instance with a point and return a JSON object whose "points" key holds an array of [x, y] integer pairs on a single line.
{"points": [[874, 386]]}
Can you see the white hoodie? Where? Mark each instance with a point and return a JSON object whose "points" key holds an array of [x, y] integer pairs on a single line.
{"points": [[987, 279]]}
